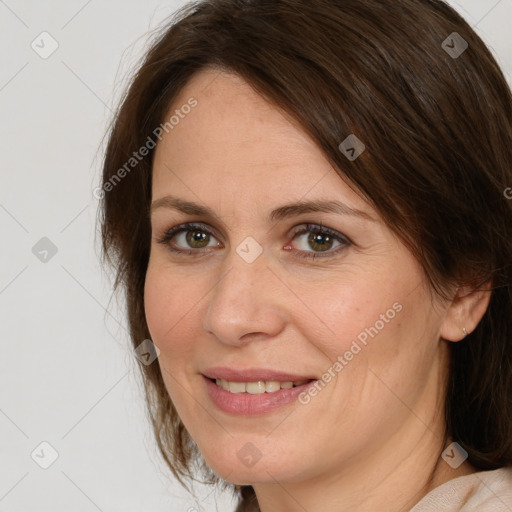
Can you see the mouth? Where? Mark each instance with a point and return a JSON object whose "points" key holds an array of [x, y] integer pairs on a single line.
{"points": [[257, 387], [256, 397]]}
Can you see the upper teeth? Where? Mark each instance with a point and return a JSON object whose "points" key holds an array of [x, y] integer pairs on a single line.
{"points": [[258, 387]]}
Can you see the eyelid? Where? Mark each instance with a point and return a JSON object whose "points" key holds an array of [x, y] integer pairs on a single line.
{"points": [[341, 238], [304, 228], [171, 233]]}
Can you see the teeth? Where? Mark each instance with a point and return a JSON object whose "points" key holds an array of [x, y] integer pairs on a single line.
{"points": [[258, 387], [272, 385], [254, 388], [235, 387]]}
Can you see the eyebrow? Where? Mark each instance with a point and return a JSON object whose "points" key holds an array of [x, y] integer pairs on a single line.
{"points": [[283, 212]]}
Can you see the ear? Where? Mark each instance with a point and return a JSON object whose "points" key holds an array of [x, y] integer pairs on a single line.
{"points": [[465, 311]]}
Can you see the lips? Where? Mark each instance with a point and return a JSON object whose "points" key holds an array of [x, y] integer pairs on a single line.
{"points": [[247, 404], [254, 375]]}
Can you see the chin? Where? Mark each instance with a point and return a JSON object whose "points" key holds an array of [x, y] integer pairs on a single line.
{"points": [[235, 471]]}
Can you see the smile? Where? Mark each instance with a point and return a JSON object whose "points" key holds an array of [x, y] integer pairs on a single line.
{"points": [[257, 387], [253, 398]]}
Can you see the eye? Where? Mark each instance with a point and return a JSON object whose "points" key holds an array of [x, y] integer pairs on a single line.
{"points": [[315, 241], [189, 239], [318, 241]]}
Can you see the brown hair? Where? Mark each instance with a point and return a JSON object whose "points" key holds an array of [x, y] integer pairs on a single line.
{"points": [[438, 133]]}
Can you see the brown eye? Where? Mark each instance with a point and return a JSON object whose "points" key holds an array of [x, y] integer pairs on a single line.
{"points": [[313, 241], [197, 239], [320, 241], [189, 239]]}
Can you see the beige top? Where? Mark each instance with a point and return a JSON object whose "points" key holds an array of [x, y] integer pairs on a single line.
{"points": [[485, 491]]}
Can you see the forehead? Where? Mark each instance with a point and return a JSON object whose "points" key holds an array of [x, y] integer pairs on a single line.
{"points": [[230, 113], [235, 143]]}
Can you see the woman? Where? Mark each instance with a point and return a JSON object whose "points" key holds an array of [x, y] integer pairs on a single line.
{"points": [[305, 204]]}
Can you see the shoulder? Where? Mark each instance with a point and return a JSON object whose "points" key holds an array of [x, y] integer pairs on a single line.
{"points": [[484, 491]]}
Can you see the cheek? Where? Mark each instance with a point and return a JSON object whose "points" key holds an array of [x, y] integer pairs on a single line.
{"points": [[168, 303], [174, 307], [165, 305], [375, 321], [168, 309], [354, 310], [156, 303]]}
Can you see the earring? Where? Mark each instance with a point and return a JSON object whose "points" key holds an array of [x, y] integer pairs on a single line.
{"points": [[464, 331]]}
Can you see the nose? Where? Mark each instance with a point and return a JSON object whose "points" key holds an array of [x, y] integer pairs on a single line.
{"points": [[247, 303]]}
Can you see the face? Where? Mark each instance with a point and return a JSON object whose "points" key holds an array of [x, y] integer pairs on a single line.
{"points": [[248, 287]]}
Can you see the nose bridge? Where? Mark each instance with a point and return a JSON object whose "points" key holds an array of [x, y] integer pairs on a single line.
{"points": [[243, 301]]}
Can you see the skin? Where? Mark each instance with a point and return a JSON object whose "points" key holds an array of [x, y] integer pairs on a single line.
{"points": [[373, 435]]}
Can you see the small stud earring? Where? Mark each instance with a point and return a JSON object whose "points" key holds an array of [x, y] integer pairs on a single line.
{"points": [[464, 331]]}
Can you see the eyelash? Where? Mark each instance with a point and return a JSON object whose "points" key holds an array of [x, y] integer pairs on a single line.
{"points": [[317, 228]]}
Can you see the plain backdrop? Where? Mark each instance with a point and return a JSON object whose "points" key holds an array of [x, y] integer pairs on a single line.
{"points": [[68, 378]]}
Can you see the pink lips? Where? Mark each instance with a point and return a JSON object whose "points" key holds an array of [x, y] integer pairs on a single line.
{"points": [[247, 404]]}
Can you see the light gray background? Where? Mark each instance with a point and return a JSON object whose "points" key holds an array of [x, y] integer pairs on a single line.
{"points": [[67, 375]]}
